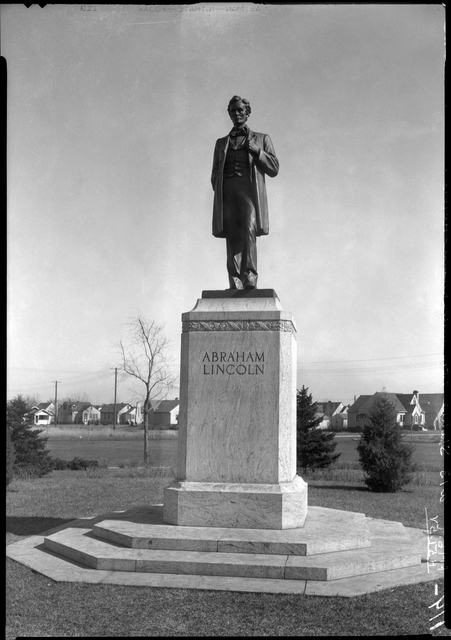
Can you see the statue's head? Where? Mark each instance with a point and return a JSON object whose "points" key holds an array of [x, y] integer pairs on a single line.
{"points": [[245, 102]]}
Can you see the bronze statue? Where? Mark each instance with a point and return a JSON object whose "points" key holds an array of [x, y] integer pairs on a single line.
{"points": [[240, 209]]}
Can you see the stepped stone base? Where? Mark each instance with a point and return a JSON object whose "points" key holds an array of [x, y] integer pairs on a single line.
{"points": [[241, 553], [249, 506], [327, 530], [335, 553]]}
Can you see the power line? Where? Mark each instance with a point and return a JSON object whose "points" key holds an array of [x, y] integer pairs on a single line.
{"points": [[395, 366], [80, 371], [362, 372], [424, 355], [100, 375]]}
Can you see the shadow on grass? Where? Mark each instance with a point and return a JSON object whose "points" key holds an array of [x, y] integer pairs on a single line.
{"points": [[347, 487], [32, 526]]}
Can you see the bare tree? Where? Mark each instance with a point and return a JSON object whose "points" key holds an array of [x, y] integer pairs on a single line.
{"points": [[144, 359], [32, 401]]}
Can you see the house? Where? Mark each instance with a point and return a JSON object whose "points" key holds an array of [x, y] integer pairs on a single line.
{"points": [[42, 417], [136, 414], [71, 412], [133, 416], [359, 411], [356, 415], [165, 415], [333, 414], [325, 420], [412, 411], [139, 413], [428, 410], [328, 408], [339, 419], [90, 415], [107, 412], [42, 413], [78, 408]]}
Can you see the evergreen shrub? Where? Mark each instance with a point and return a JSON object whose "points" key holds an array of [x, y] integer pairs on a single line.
{"points": [[315, 447], [30, 453], [385, 458]]}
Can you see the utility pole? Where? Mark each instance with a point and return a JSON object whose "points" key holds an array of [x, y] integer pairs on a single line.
{"points": [[56, 400], [115, 393]]}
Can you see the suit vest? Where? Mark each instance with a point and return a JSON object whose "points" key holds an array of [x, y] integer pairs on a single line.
{"points": [[236, 162]]}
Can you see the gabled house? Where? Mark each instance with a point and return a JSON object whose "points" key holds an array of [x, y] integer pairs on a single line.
{"points": [[46, 406], [107, 412], [428, 410], [90, 415], [339, 419], [331, 414], [356, 416], [411, 411], [165, 415], [133, 416], [328, 408], [359, 411], [78, 410], [325, 420], [42, 413], [71, 412]]}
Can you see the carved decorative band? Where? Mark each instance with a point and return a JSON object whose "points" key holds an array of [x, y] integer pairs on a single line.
{"points": [[239, 325]]}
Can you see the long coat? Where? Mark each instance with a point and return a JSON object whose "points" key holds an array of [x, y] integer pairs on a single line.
{"points": [[265, 163]]}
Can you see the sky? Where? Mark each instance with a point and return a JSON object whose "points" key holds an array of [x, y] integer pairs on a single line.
{"points": [[113, 114]]}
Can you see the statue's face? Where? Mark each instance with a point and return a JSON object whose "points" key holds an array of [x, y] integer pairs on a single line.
{"points": [[237, 113]]}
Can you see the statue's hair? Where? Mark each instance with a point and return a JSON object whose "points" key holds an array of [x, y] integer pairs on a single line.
{"points": [[244, 101]]}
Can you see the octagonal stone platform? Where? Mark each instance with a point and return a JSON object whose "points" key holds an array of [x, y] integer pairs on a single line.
{"points": [[326, 531], [331, 545], [335, 553]]}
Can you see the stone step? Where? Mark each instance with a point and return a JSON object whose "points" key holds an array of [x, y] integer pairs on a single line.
{"points": [[81, 546], [325, 531]]}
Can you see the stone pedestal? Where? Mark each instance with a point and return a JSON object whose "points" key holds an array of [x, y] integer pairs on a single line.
{"points": [[237, 420]]}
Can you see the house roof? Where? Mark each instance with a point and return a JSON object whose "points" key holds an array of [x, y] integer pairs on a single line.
{"points": [[406, 401], [335, 406], [166, 406], [109, 408], [392, 397], [432, 399], [358, 403], [79, 406], [344, 409], [430, 403], [328, 406], [33, 413], [131, 410], [44, 405]]}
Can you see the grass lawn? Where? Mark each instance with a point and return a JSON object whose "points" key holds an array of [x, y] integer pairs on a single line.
{"points": [[163, 452], [113, 452], [36, 606]]}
